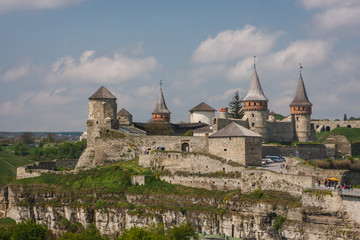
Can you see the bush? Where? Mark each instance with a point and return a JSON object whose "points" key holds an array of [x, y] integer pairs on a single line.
{"points": [[278, 222], [189, 133], [257, 193], [29, 231]]}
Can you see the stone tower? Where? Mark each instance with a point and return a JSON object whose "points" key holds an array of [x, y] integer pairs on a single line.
{"points": [[102, 114], [256, 107], [300, 109], [161, 112]]}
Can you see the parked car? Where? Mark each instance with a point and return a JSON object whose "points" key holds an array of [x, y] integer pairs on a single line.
{"points": [[275, 158]]}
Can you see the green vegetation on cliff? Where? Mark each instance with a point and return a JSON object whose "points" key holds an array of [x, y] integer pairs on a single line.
{"points": [[17, 155], [352, 134]]}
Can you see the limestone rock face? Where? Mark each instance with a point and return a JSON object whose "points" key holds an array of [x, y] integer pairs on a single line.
{"points": [[316, 219]]}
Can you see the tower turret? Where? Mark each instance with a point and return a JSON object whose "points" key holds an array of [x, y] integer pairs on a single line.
{"points": [[161, 112], [102, 114], [256, 107], [300, 109]]}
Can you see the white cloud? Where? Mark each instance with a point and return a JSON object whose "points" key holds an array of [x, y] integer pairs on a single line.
{"points": [[333, 15], [232, 44], [15, 73], [311, 4], [102, 69], [30, 102], [13, 5], [242, 71], [308, 52]]}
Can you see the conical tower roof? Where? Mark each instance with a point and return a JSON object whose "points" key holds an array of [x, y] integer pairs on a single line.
{"points": [[301, 98], [202, 107], [102, 93], [255, 92], [123, 112], [161, 105]]}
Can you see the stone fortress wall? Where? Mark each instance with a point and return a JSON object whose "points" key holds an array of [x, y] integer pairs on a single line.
{"points": [[194, 170], [36, 169], [327, 125]]}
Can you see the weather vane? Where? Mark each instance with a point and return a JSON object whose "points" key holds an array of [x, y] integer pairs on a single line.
{"points": [[254, 61], [301, 67], [160, 83]]}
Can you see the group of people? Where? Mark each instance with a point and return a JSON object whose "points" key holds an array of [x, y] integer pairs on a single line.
{"points": [[335, 185]]}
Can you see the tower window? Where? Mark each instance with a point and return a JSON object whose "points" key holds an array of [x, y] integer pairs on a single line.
{"points": [[297, 119], [252, 124], [254, 103], [260, 103], [252, 115]]}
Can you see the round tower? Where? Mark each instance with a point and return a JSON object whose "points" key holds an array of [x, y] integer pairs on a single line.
{"points": [[202, 113], [300, 109], [256, 107], [161, 113], [272, 116], [102, 114]]}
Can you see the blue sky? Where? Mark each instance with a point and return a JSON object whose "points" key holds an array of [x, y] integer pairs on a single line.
{"points": [[55, 54]]}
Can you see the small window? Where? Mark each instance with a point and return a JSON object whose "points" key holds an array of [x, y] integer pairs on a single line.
{"points": [[252, 115], [252, 124], [225, 149], [254, 103], [260, 103], [297, 119], [214, 120], [97, 122]]}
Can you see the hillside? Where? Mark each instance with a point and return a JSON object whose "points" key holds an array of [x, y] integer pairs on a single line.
{"points": [[352, 134], [8, 164]]}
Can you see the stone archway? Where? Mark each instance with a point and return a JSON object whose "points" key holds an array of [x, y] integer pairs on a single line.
{"points": [[349, 126], [185, 147], [327, 128]]}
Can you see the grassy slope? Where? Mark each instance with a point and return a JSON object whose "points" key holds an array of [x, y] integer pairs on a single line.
{"points": [[8, 164], [352, 134], [115, 180]]}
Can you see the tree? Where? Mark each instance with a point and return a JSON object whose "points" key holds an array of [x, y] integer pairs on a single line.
{"points": [[345, 117], [27, 138], [184, 232], [236, 106], [29, 231]]}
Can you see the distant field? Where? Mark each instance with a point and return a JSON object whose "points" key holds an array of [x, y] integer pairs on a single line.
{"points": [[8, 164], [352, 134]]}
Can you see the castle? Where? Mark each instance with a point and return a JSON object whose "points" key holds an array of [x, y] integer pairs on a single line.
{"points": [[295, 127]]}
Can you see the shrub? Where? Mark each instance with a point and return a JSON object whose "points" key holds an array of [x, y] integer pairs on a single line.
{"points": [[257, 193], [189, 133], [29, 231], [278, 222]]}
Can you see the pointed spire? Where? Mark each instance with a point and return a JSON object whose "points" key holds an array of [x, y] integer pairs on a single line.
{"points": [[255, 91], [301, 98], [102, 93], [161, 105]]}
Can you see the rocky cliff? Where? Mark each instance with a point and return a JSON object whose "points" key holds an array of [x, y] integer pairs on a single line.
{"points": [[317, 216]]}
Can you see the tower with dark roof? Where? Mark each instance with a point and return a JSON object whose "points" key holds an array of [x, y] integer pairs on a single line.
{"points": [[256, 107], [300, 109], [124, 117], [102, 113], [161, 113]]}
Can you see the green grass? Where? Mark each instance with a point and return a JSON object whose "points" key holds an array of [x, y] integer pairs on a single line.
{"points": [[352, 134], [279, 117], [8, 164]]}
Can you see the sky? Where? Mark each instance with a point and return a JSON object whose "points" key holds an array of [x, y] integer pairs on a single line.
{"points": [[55, 54]]}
